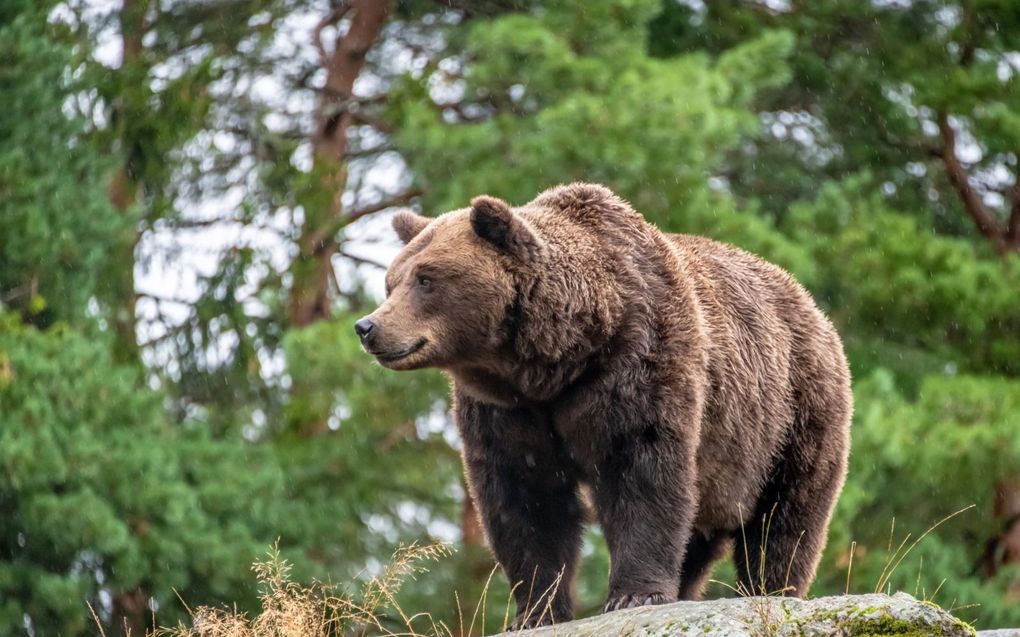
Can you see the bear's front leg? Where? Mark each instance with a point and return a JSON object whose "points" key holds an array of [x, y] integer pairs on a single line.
{"points": [[645, 491], [528, 503]]}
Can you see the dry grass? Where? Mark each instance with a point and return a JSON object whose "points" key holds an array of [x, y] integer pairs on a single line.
{"points": [[767, 620], [895, 558], [290, 609]]}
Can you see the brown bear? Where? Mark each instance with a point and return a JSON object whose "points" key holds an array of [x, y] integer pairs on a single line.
{"points": [[693, 388]]}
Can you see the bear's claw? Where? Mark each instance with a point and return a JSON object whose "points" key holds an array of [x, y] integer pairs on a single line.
{"points": [[634, 600]]}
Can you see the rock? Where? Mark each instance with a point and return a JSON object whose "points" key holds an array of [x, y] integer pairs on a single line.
{"points": [[842, 616], [1002, 632]]}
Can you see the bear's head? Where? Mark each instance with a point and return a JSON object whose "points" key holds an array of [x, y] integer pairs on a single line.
{"points": [[449, 289]]}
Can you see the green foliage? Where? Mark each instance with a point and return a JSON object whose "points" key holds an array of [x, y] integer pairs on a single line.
{"points": [[55, 218], [807, 134], [886, 279], [328, 368], [101, 494], [364, 449], [369, 464], [869, 81], [955, 440], [652, 129]]}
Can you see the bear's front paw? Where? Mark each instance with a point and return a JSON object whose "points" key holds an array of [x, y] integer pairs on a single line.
{"points": [[633, 600]]}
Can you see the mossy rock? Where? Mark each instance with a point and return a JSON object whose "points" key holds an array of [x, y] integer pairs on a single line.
{"points": [[898, 615]]}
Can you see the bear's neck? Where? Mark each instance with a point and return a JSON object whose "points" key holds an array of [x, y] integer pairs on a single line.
{"points": [[487, 386], [516, 379]]}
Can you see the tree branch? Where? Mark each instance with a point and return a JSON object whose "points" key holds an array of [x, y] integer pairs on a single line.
{"points": [[369, 152], [28, 288], [319, 238], [192, 224], [333, 17], [364, 260], [174, 225], [169, 334], [396, 435], [460, 109], [400, 199], [958, 177], [360, 117]]}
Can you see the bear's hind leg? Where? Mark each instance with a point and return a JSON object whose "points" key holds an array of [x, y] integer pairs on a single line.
{"points": [[778, 549], [702, 552]]}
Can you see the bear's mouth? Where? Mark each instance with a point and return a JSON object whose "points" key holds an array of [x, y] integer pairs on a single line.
{"points": [[389, 357]]}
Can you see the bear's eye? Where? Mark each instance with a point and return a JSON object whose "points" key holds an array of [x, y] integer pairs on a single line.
{"points": [[424, 282]]}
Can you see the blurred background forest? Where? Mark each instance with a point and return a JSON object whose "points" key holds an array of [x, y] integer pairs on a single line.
{"points": [[194, 204]]}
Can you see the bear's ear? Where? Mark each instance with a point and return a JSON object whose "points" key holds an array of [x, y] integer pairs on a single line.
{"points": [[409, 224], [493, 220]]}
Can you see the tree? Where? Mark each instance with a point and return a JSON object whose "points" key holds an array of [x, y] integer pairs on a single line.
{"points": [[251, 311], [336, 112], [103, 499], [953, 440], [52, 217], [570, 93], [870, 148], [106, 502], [923, 94], [152, 105]]}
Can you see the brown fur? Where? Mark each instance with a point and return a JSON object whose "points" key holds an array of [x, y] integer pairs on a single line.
{"points": [[692, 386]]}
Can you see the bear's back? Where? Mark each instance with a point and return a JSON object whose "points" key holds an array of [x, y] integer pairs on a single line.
{"points": [[748, 288]]}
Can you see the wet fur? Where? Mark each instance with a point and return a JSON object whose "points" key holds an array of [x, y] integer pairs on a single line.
{"points": [[692, 386]]}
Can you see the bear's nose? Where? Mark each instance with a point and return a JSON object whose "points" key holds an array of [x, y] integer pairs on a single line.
{"points": [[364, 328]]}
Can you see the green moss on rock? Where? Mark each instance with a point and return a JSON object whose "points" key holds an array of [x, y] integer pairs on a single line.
{"points": [[888, 626]]}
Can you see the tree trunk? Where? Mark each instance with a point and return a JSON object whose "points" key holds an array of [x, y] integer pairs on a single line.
{"points": [[312, 269], [470, 524], [129, 612], [129, 607], [1004, 549], [123, 193]]}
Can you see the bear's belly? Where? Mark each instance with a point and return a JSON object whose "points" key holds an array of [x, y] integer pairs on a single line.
{"points": [[736, 455], [725, 507]]}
